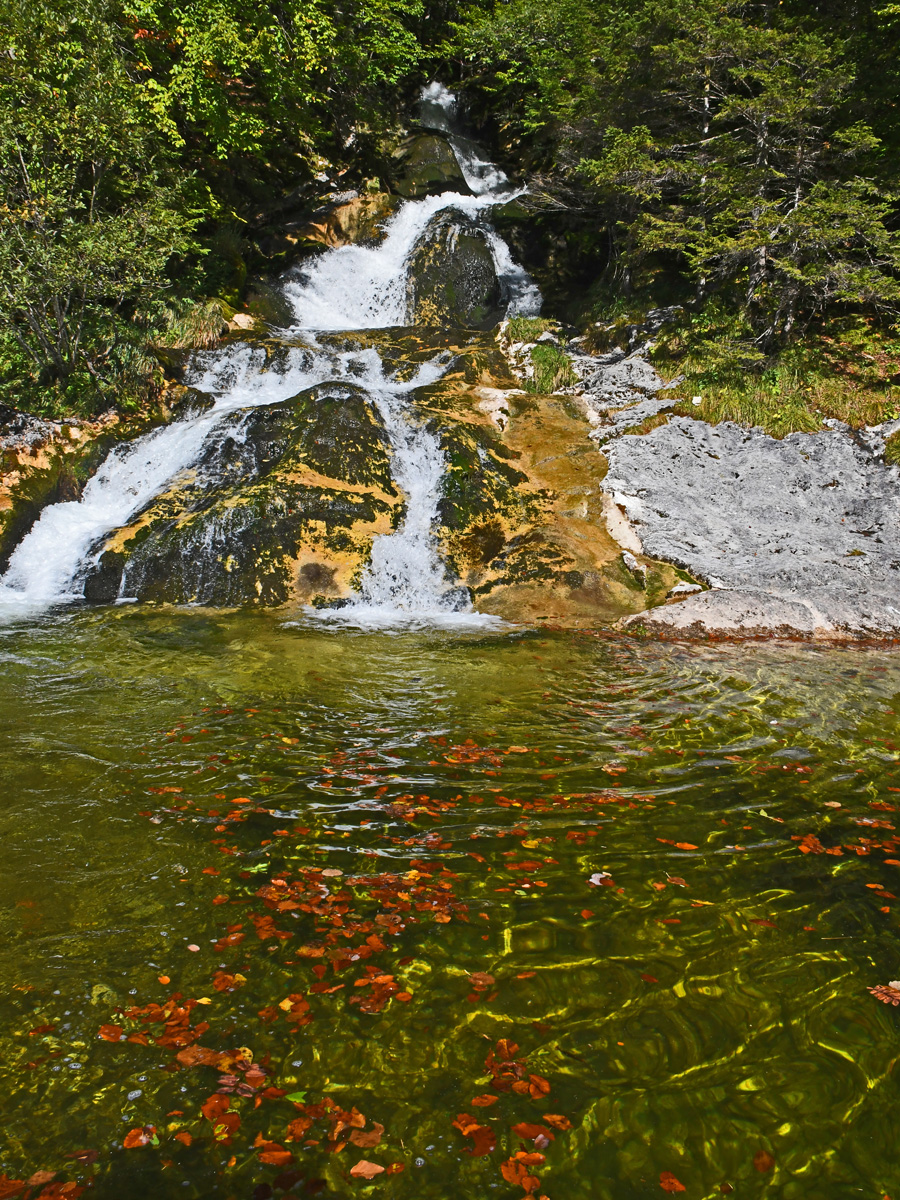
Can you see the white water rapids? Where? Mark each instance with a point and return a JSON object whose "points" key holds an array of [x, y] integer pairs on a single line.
{"points": [[345, 289]]}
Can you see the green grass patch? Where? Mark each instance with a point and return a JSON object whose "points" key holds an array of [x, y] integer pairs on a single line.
{"points": [[845, 371], [892, 450], [528, 329], [552, 370]]}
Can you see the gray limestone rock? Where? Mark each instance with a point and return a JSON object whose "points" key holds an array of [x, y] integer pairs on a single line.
{"points": [[810, 520]]}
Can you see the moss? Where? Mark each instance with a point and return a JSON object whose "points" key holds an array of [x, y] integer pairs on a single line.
{"points": [[892, 450]]}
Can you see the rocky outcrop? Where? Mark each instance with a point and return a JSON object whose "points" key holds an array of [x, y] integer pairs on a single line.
{"points": [[811, 522], [44, 461], [425, 165], [452, 279], [282, 504], [285, 500]]}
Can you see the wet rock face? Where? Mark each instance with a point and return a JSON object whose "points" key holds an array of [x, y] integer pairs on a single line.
{"points": [[425, 165], [452, 277], [283, 503]]}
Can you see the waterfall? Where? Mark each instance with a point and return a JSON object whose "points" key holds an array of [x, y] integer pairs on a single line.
{"points": [[345, 289]]}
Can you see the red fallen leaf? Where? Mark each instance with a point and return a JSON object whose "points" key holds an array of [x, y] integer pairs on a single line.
{"points": [[367, 1139], [485, 1101], [587, 912], [10, 1187], [529, 1132], [515, 1171], [526, 974], [193, 1056], [209, 871], [557, 1121], [277, 1156], [215, 1106], [484, 1139], [404, 997], [226, 1125], [223, 899], [39, 1029], [538, 1086], [85, 1156], [888, 993], [394, 1168], [763, 921], [139, 1137], [39, 1178], [481, 979], [366, 1170], [685, 846], [59, 1191], [297, 1128], [763, 1161], [649, 979], [669, 1183], [111, 1033], [811, 845], [184, 1137]]}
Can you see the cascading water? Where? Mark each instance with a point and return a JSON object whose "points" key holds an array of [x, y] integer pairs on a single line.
{"points": [[346, 289]]}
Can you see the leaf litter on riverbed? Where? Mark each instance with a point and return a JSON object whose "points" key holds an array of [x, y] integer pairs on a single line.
{"points": [[333, 932]]}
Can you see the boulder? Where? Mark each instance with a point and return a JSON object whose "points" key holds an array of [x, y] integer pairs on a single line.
{"points": [[283, 503], [425, 165], [452, 278]]}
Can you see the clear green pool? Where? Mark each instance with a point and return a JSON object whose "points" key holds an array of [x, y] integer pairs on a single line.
{"points": [[405, 890]]}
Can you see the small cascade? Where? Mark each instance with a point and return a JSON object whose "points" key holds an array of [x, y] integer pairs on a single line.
{"points": [[352, 288]]}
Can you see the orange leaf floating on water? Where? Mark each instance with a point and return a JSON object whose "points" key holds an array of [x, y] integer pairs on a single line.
{"points": [[184, 1137], [485, 1101], [139, 1137], [199, 1056], [649, 979], [164, 979], [763, 1161], [669, 1183], [685, 846], [395, 1168], [366, 1170], [481, 979], [111, 1033], [10, 1187], [215, 1106]]}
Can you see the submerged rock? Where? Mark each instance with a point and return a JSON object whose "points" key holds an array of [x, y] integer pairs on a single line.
{"points": [[452, 278]]}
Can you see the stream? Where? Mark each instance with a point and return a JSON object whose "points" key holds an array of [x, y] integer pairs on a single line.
{"points": [[398, 899]]}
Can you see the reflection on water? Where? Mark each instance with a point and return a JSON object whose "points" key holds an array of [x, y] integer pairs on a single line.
{"points": [[368, 858]]}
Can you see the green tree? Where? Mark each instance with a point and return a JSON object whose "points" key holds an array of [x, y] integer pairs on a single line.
{"points": [[92, 211]]}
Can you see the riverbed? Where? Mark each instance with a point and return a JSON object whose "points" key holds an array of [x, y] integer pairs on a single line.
{"points": [[484, 910]]}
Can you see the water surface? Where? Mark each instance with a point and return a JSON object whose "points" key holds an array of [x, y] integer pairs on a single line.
{"points": [[390, 838]]}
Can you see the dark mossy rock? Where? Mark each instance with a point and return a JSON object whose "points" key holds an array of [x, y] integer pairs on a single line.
{"points": [[425, 165], [282, 503], [452, 276]]}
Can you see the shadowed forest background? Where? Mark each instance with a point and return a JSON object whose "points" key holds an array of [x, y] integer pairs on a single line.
{"points": [[737, 160]]}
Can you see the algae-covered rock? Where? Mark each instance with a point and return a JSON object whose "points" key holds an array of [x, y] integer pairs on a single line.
{"points": [[425, 165], [283, 503], [452, 278]]}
